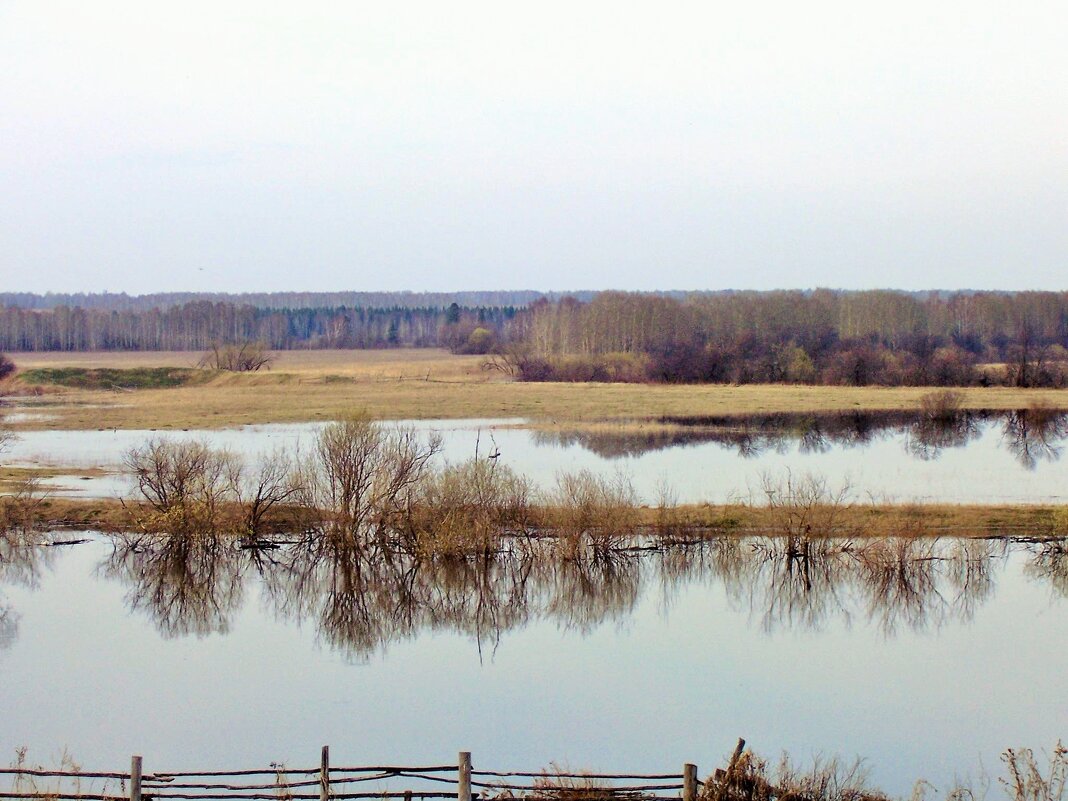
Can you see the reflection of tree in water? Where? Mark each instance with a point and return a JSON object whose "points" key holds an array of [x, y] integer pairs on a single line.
{"points": [[803, 583], [361, 599], [1034, 435], [1031, 435], [927, 437], [920, 584], [1049, 564], [187, 585], [22, 561]]}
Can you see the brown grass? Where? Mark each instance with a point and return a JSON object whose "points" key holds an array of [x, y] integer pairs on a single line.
{"points": [[413, 384], [693, 521]]}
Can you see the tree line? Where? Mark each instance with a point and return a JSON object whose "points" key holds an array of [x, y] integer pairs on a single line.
{"points": [[820, 336], [120, 301], [823, 336], [200, 324]]}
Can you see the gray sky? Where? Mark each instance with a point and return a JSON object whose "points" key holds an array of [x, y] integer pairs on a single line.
{"points": [[151, 146]]}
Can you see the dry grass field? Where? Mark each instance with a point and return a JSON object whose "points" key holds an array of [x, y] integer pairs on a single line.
{"points": [[410, 384]]}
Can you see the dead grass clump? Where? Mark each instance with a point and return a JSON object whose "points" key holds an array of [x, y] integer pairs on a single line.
{"points": [[1025, 779], [467, 508], [559, 783], [588, 509], [53, 787], [750, 778]]}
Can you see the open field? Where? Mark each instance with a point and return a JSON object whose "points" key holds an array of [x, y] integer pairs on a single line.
{"points": [[422, 384]]}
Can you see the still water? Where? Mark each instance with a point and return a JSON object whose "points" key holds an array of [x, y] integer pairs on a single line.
{"points": [[990, 458], [926, 658]]}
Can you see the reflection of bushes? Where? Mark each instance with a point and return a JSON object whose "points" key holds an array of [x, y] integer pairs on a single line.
{"points": [[361, 597], [1031, 435]]}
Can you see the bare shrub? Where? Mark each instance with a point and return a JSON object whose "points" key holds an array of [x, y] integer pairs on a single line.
{"points": [[7, 367], [806, 505], [361, 478], [588, 508], [185, 483], [21, 511], [467, 507], [240, 357], [260, 493], [942, 406]]}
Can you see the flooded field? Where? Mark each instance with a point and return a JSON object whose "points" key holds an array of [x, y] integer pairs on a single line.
{"points": [[367, 626], [926, 657], [974, 457]]}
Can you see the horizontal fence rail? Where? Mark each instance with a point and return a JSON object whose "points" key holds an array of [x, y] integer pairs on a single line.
{"points": [[339, 783]]}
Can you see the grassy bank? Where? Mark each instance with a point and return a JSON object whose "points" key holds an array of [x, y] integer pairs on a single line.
{"points": [[414, 384], [687, 521]]}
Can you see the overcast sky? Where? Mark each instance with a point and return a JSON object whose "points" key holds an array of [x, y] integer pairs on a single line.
{"points": [[151, 146]]}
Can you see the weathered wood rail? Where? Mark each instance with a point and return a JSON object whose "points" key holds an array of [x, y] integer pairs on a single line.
{"points": [[460, 781]]}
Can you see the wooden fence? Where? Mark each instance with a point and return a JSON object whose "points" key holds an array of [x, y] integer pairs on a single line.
{"points": [[337, 783]]}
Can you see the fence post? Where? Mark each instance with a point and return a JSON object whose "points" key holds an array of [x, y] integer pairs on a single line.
{"points": [[135, 778], [689, 782], [324, 775], [463, 790]]}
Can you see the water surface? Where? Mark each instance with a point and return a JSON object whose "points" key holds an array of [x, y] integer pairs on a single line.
{"points": [[992, 457], [924, 657]]}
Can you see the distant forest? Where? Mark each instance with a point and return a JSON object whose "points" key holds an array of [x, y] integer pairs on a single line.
{"points": [[820, 336], [108, 301]]}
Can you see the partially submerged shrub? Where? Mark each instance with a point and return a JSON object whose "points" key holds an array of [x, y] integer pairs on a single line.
{"points": [[805, 505], [942, 406], [602, 512], [361, 478], [467, 507], [184, 483], [20, 511]]}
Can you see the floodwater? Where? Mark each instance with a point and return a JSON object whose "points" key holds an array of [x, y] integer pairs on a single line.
{"points": [[984, 457], [927, 658]]}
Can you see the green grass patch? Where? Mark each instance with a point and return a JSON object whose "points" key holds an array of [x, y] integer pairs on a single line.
{"points": [[115, 378]]}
